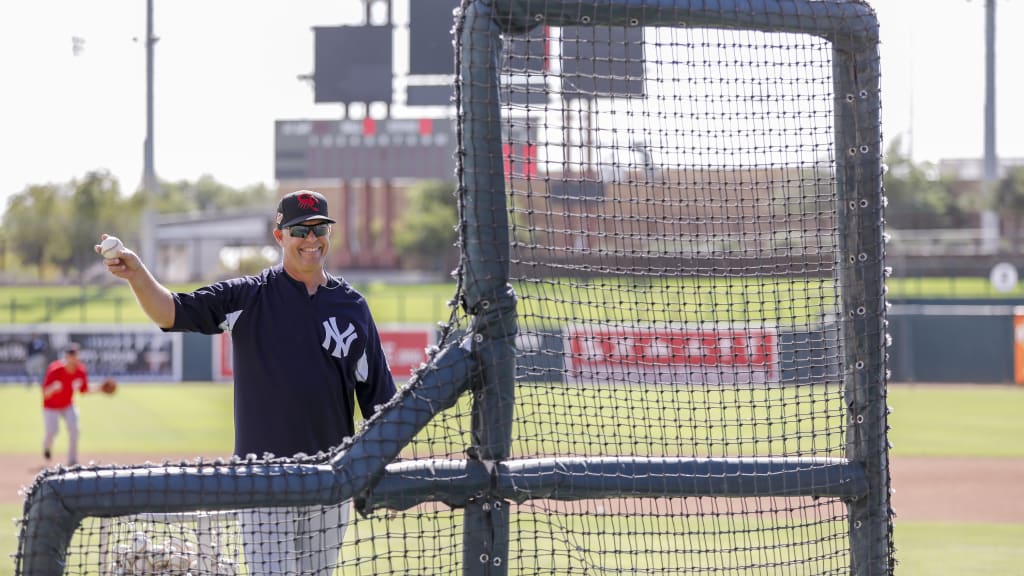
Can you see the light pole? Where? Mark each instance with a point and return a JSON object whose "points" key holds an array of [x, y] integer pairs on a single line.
{"points": [[989, 216], [991, 158], [150, 184]]}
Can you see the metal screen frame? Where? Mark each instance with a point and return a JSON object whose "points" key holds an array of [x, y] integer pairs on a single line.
{"points": [[483, 362]]}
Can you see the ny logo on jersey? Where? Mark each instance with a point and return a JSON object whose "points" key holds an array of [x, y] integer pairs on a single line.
{"points": [[342, 342]]}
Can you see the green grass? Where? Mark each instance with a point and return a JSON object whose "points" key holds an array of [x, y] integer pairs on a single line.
{"points": [[9, 514], [950, 549], [176, 419], [954, 420], [115, 304], [689, 421], [922, 548], [951, 287], [927, 421], [544, 301], [563, 544], [540, 303], [695, 299], [197, 418]]}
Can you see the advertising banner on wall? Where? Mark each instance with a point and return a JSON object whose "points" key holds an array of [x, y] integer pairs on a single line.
{"points": [[705, 354], [135, 354], [404, 346]]}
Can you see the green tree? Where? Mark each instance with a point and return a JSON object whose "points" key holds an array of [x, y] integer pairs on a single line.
{"points": [[426, 234], [95, 207], [917, 196], [1010, 200], [56, 225], [31, 223], [208, 195]]}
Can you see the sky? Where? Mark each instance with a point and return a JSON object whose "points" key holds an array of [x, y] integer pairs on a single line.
{"points": [[227, 69]]}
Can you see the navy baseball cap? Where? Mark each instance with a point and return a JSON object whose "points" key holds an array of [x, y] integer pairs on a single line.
{"points": [[301, 206]]}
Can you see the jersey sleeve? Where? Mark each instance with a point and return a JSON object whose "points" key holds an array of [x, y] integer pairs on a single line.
{"points": [[379, 386], [205, 309]]}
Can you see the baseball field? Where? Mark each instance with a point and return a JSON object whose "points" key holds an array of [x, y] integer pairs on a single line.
{"points": [[957, 462]]}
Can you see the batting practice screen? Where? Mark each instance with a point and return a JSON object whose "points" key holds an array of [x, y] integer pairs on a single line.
{"points": [[666, 351]]}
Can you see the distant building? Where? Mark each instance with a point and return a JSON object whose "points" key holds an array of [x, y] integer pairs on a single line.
{"points": [[190, 245], [973, 169]]}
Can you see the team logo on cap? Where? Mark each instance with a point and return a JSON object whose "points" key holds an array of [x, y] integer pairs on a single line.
{"points": [[307, 202]]}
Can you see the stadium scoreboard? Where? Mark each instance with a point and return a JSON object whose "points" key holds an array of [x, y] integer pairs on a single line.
{"points": [[364, 149]]}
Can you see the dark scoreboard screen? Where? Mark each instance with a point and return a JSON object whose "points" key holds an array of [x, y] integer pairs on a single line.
{"points": [[430, 36], [599, 61], [430, 42], [352, 64]]}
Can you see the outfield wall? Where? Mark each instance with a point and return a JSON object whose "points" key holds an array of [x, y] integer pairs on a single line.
{"points": [[131, 353], [946, 342], [931, 343]]}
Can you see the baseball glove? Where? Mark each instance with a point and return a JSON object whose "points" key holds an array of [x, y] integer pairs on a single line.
{"points": [[109, 386]]}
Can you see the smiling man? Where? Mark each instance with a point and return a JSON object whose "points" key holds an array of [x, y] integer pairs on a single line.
{"points": [[305, 348]]}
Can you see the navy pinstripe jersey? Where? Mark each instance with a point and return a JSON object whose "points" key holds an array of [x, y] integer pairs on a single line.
{"points": [[299, 360]]}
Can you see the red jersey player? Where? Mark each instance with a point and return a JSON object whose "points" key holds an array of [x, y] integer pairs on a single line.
{"points": [[63, 378]]}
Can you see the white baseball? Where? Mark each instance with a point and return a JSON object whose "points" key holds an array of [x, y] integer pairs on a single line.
{"points": [[111, 247]]}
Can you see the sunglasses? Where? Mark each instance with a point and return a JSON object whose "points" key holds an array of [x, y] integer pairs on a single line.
{"points": [[318, 230]]}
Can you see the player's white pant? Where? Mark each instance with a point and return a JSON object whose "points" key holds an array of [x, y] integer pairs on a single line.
{"points": [[51, 420], [290, 541]]}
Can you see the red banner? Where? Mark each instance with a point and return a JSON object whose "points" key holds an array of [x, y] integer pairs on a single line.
{"points": [[719, 354], [405, 349]]}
